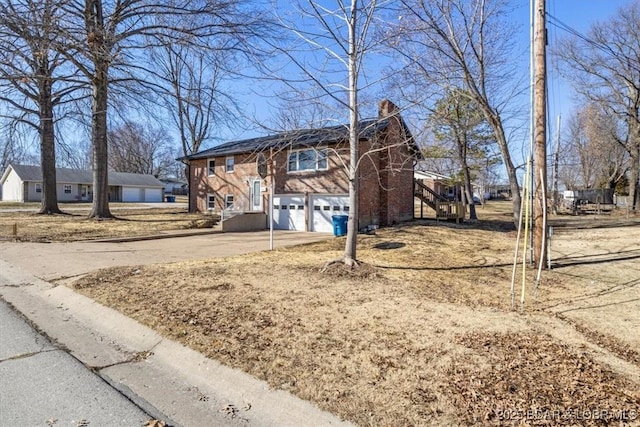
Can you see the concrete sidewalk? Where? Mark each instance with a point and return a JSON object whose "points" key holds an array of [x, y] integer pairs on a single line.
{"points": [[169, 381]]}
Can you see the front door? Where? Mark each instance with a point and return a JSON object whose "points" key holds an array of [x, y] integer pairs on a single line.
{"points": [[256, 195]]}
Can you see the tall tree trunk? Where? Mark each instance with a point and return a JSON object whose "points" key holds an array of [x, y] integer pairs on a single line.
{"points": [[49, 202], [634, 177], [634, 154], [100, 207], [352, 225], [100, 52], [501, 139], [468, 189]]}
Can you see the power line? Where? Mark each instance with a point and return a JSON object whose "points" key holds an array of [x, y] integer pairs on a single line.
{"points": [[566, 27]]}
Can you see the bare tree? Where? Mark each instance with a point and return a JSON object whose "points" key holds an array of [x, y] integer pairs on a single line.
{"points": [[107, 42], [136, 148], [605, 67], [192, 79], [462, 44], [13, 147], [594, 145], [576, 153], [294, 110], [31, 81], [338, 37]]}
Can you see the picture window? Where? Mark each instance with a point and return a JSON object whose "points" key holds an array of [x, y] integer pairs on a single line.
{"points": [[307, 160]]}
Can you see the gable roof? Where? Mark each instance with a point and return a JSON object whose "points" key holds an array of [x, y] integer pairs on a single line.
{"points": [[81, 176], [426, 174], [295, 138]]}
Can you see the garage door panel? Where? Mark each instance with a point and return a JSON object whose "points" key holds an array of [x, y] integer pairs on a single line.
{"points": [[324, 207], [153, 195], [130, 194], [288, 213]]}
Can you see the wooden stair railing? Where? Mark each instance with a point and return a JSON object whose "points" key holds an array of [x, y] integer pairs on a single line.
{"points": [[444, 208], [427, 195]]}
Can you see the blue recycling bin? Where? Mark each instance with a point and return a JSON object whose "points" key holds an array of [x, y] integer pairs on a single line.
{"points": [[340, 225], [171, 199]]}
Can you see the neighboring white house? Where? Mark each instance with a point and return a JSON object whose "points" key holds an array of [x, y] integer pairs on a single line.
{"points": [[174, 186], [23, 183]]}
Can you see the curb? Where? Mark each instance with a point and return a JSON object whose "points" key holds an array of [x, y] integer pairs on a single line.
{"points": [[161, 375]]}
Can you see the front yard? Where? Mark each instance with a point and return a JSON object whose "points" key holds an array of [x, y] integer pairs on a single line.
{"points": [[130, 220], [423, 332]]}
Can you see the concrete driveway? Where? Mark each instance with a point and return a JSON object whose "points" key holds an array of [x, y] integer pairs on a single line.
{"points": [[50, 261]]}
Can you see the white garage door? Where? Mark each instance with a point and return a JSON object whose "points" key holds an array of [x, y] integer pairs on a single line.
{"points": [[130, 194], [153, 195], [324, 207], [288, 212]]}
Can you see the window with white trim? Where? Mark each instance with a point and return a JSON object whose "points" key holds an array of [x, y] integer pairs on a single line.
{"points": [[211, 202], [307, 160], [67, 189], [38, 187], [228, 201], [211, 167], [229, 164]]}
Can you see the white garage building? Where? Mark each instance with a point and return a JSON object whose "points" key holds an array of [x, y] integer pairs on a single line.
{"points": [[23, 183]]}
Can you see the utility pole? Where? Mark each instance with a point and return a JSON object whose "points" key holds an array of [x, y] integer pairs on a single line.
{"points": [[556, 160], [540, 134]]}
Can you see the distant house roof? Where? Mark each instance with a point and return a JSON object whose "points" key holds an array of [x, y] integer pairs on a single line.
{"points": [[80, 176], [423, 174], [173, 181], [297, 138]]}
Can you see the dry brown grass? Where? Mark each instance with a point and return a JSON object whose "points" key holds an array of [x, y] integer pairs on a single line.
{"points": [[421, 334], [75, 225]]}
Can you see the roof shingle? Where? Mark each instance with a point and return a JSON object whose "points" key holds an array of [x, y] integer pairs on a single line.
{"points": [[66, 175], [295, 138]]}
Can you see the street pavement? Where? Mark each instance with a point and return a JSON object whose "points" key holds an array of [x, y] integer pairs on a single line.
{"points": [[89, 365], [42, 383]]}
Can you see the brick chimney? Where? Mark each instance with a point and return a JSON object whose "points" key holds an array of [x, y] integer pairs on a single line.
{"points": [[387, 108]]}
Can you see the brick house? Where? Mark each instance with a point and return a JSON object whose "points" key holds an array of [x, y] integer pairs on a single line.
{"points": [[307, 171]]}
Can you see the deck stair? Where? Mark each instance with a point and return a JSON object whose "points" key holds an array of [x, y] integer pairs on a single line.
{"points": [[444, 208]]}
